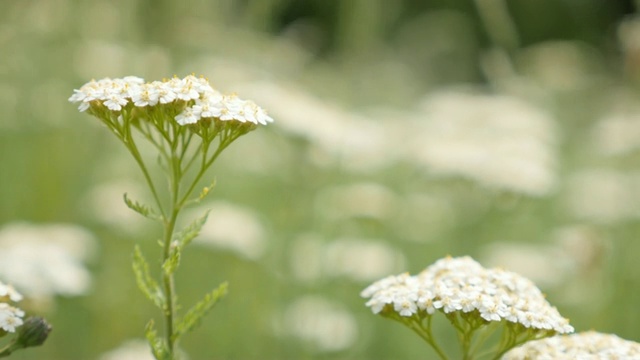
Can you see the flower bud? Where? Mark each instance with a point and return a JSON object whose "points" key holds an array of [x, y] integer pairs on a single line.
{"points": [[33, 332]]}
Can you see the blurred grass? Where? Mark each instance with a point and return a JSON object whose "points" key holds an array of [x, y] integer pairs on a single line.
{"points": [[359, 55]]}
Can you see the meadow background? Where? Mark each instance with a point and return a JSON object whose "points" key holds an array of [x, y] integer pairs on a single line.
{"points": [[405, 131]]}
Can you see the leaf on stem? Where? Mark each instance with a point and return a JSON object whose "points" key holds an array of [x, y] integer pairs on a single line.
{"points": [[158, 346], [141, 209], [184, 237], [199, 310], [170, 265], [145, 282]]}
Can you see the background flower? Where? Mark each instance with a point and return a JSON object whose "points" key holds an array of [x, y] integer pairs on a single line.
{"points": [[367, 96]]}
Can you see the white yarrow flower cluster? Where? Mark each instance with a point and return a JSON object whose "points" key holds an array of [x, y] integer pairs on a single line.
{"points": [[463, 285], [10, 316], [589, 345], [202, 101]]}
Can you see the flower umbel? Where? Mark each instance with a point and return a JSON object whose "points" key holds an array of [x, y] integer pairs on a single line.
{"points": [[191, 98], [585, 345], [477, 301], [189, 123]]}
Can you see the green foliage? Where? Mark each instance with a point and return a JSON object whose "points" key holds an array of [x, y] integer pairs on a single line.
{"points": [[158, 345], [141, 209], [170, 264], [199, 310], [144, 280], [184, 237]]}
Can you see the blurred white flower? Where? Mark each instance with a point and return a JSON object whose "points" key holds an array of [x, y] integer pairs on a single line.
{"points": [[356, 200], [575, 251], [130, 350], [583, 244], [9, 292], [355, 142], [323, 324], [356, 259], [588, 345], [497, 140], [231, 227], [618, 134], [560, 65], [45, 260], [603, 195], [423, 217], [106, 203], [306, 259], [543, 264], [361, 259]]}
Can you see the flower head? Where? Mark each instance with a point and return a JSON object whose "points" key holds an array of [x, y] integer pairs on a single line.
{"points": [[193, 97], [461, 285], [10, 317], [585, 345]]}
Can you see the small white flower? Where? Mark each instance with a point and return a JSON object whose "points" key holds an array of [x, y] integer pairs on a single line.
{"points": [[9, 291], [115, 102], [10, 317], [166, 93], [189, 115], [145, 95], [231, 108], [211, 105]]}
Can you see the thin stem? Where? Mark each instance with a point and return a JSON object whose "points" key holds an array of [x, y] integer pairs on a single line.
{"points": [[485, 334], [124, 134], [169, 283], [205, 165], [426, 335], [167, 276]]}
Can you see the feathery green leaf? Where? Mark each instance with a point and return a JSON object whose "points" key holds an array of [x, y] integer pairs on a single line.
{"points": [[141, 209], [145, 282], [194, 316]]}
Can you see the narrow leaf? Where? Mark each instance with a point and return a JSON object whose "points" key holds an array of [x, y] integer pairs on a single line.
{"points": [[187, 234], [158, 346], [194, 316], [145, 282], [171, 263], [141, 209]]}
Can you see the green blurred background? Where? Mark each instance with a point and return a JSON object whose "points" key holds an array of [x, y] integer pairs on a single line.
{"points": [[405, 131]]}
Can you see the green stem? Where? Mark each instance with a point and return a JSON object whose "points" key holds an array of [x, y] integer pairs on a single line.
{"points": [[129, 143], [203, 168], [167, 276], [484, 335], [169, 284], [426, 335]]}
